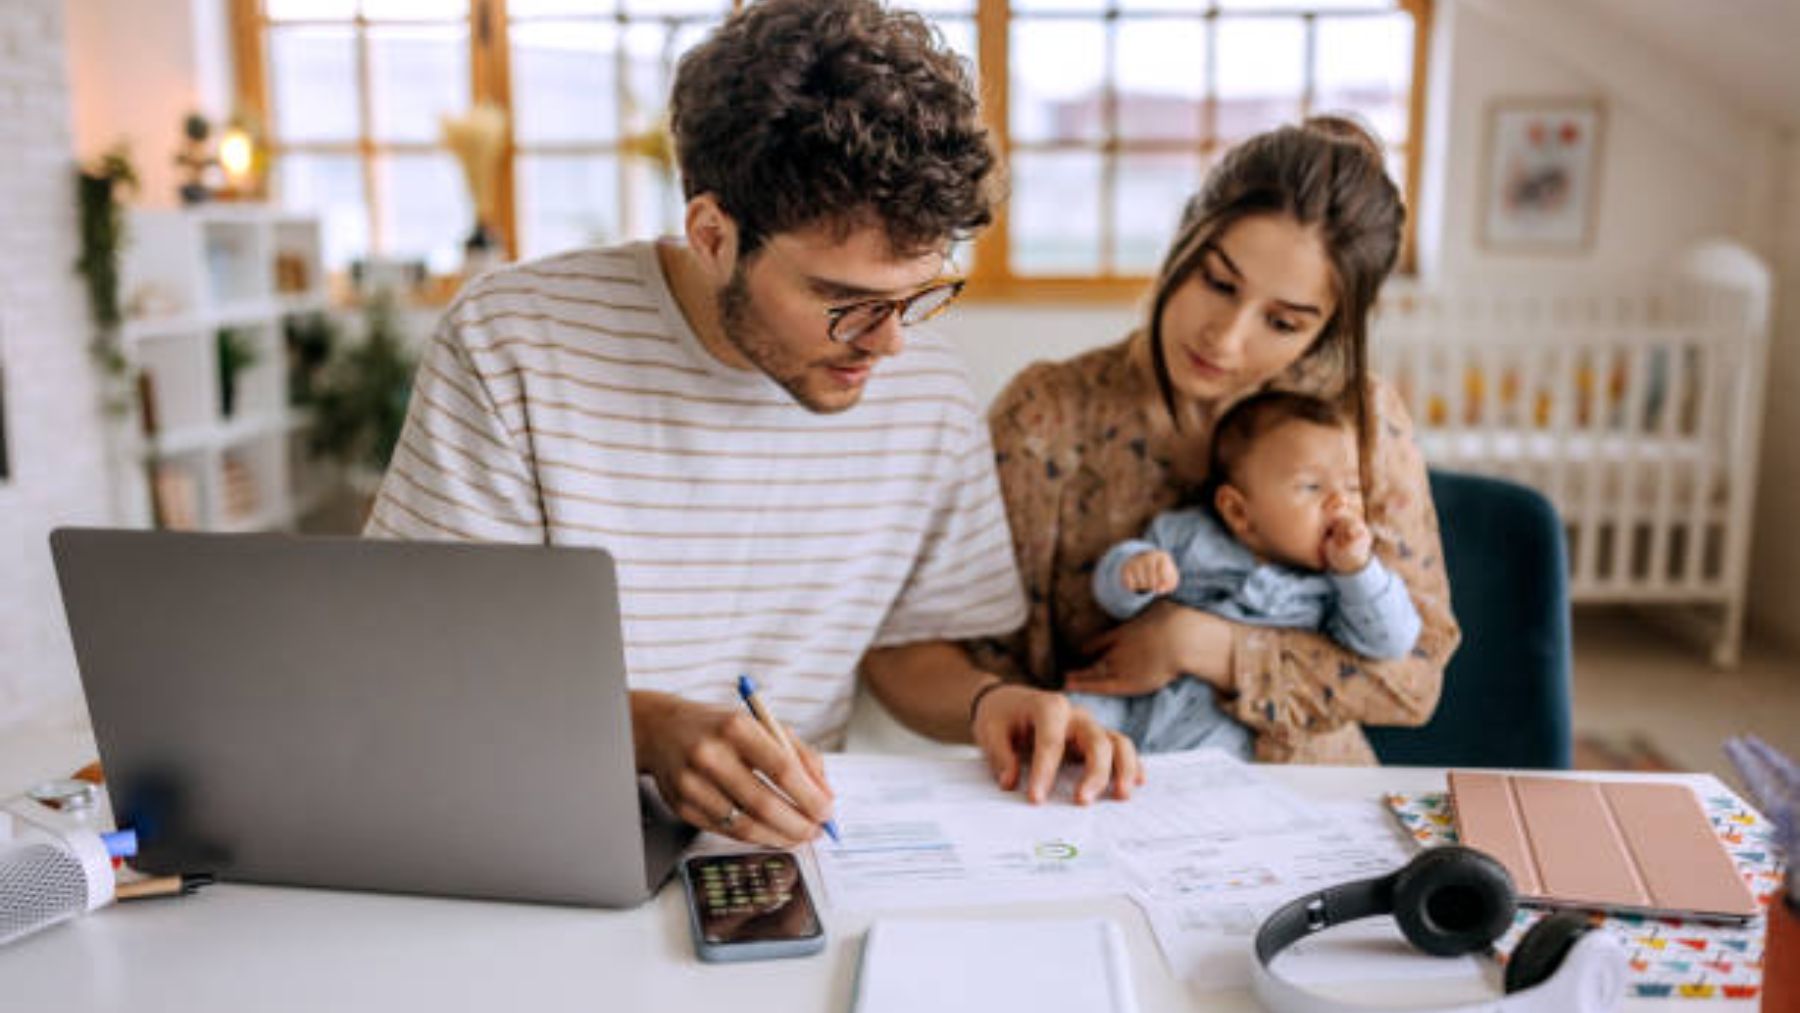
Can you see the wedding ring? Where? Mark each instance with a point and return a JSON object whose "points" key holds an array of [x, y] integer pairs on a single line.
{"points": [[729, 818]]}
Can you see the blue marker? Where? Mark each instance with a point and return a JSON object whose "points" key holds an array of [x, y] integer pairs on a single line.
{"points": [[747, 691]]}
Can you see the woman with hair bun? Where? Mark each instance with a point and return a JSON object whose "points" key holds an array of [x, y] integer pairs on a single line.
{"points": [[1268, 285]]}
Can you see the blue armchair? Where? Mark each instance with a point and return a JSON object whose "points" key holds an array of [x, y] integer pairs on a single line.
{"points": [[1507, 691]]}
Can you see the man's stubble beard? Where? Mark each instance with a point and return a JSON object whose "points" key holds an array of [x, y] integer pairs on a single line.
{"points": [[746, 332]]}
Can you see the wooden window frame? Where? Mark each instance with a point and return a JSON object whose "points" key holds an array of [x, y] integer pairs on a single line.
{"points": [[991, 276], [250, 41], [617, 148]]}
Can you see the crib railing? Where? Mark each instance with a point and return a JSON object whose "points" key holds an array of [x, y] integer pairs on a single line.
{"points": [[1634, 409]]}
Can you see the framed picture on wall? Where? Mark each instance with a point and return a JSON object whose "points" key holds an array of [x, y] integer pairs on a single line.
{"points": [[1542, 170]]}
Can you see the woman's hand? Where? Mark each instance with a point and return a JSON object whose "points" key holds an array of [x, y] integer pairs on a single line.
{"points": [[715, 766], [1164, 643], [1016, 725]]}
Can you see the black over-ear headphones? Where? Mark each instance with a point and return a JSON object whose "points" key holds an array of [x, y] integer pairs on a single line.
{"points": [[1449, 901]]}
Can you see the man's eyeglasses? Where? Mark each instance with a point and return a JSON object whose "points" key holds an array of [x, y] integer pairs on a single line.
{"points": [[855, 320]]}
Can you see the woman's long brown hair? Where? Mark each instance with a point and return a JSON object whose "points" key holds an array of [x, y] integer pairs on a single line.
{"points": [[1326, 174]]}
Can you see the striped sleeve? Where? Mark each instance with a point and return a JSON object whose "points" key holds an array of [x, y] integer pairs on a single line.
{"points": [[965, 582], [459, 472]]}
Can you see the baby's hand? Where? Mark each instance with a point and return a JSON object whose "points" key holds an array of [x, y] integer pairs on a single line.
{"points": [[1151, 572], [1347, 544]]}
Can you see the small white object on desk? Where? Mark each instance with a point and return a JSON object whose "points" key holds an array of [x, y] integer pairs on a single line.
{"points": [[1075, 965], [52, 868]]}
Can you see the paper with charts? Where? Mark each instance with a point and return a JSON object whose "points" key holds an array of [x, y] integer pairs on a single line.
{"points": [[932, 833], [1207, 847]]}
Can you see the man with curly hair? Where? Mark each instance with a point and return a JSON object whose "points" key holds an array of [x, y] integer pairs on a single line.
{"points": [[731, 416]]}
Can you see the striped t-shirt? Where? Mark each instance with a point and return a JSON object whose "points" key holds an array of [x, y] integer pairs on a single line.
{"points": [[567, 401]]}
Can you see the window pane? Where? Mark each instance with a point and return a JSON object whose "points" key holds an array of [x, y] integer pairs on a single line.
{"points": [[567, 201], [558, 8], [959, 35], [1310, 5], [1058, 69], [646, 9], [313, 10], [425, 212], [416, 10], [652, 200], [1166, 6], [1055, 209], [1395, 160], [330, 187], [1365, 67], [1083, 6], [1262, 74], [1147, 200], [651, 51], [1162, 79], [929, 7], [313, 77], [564, 75], [417, 74]]}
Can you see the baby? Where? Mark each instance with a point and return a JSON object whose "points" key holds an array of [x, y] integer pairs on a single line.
{"points": [[1282, 542]]}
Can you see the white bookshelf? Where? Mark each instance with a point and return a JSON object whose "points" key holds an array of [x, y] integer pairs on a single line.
{"points": [[185, 275]]}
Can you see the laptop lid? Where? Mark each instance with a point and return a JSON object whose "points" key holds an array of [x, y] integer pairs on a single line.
{"points": [[415, 717]]}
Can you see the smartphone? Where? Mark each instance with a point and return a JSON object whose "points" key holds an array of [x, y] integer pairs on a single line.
{"points": [[750, 906]]}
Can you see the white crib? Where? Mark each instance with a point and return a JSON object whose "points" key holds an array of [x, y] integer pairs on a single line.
{"points": [[1635, 407]]}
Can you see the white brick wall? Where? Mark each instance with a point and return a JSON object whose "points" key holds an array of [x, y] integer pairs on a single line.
{"points": [[55, 429]]}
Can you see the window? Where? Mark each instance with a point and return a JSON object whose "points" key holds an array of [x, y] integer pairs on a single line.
{"points": [[351, 101], [352, 92], [590, 87], [1109, 113], [1115, 109]]}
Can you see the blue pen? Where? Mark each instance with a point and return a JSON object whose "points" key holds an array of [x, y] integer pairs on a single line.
{"points": [[747, 691]]}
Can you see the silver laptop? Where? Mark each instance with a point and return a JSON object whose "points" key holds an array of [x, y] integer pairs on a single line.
{"points": [[402, 716]]}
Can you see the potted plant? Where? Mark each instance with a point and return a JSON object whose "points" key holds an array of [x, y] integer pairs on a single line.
{"points": [[360, 397], [310, 339], [99, 190], [236, 354]]}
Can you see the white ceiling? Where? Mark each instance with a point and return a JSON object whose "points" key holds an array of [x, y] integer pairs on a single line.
{"points": [[1748, 49]]}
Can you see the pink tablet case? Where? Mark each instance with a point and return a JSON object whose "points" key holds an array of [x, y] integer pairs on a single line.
{"points": [[1613, 845]]}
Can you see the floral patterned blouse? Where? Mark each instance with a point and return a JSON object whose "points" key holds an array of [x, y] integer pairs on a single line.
{"points": [[1085, 453]]}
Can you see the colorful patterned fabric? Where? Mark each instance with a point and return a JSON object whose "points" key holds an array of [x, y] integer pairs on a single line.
{"points": [[1671, 958]]}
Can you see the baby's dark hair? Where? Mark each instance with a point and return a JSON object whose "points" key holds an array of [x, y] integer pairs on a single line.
{"points": [[1246, 422]]}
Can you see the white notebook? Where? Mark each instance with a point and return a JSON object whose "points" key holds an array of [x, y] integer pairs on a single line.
{"points": [[978, 966]]}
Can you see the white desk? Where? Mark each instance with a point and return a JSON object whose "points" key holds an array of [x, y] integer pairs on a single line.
{"points": [[237, 948]]}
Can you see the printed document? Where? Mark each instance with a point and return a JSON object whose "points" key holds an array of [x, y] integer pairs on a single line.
{"points": [[1207, 848]]}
